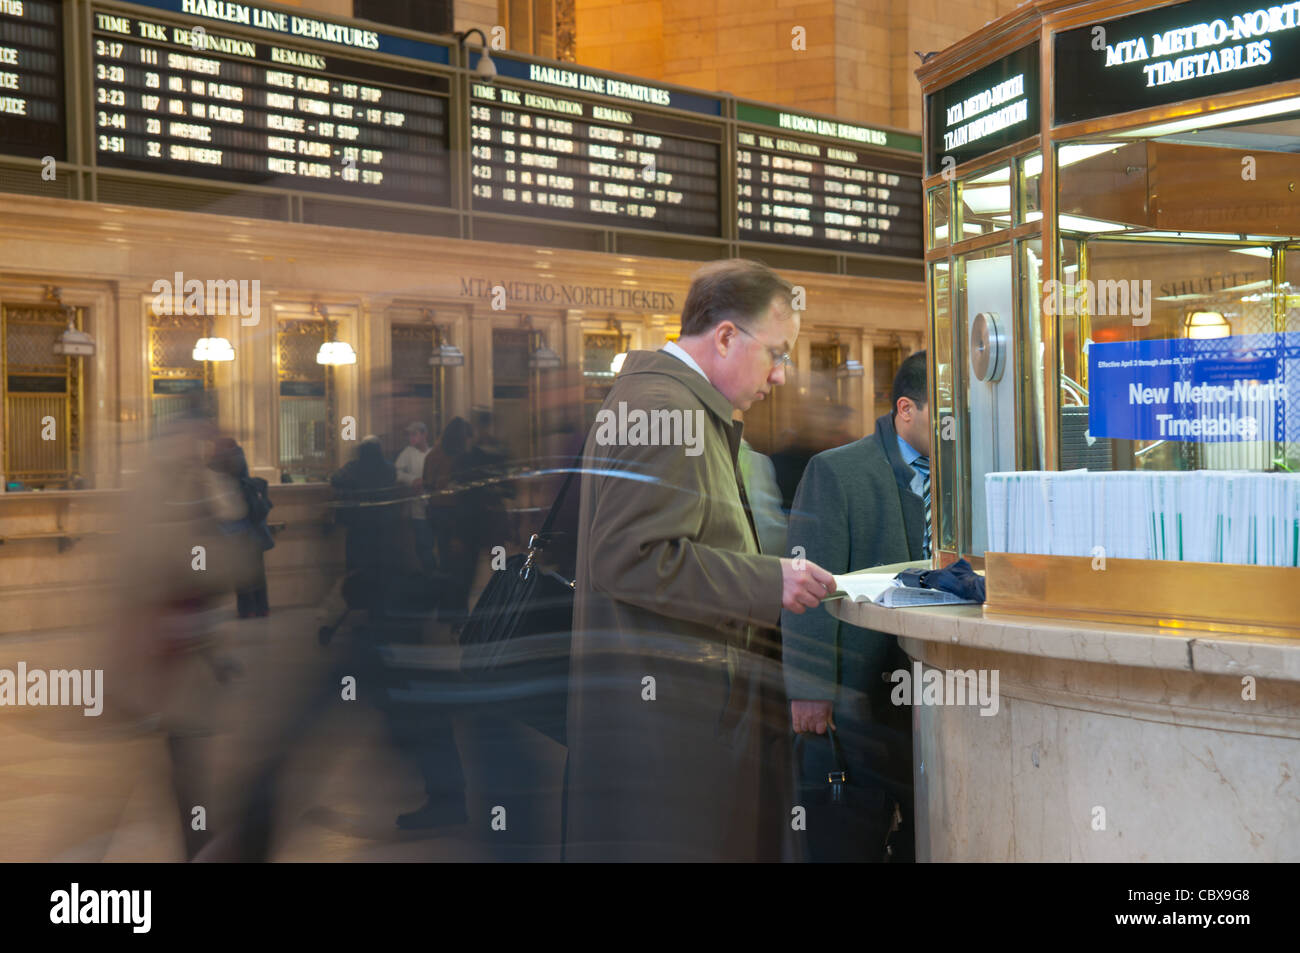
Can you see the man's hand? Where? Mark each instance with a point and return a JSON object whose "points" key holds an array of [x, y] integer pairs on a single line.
{"points": [[805, 587], [811, 716]]}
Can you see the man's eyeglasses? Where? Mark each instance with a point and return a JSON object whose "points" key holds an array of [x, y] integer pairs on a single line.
{"points": [[779, 358]]}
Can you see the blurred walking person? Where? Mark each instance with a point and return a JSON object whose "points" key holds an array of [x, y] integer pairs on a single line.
{"points": [[250, 533], [409, 466]]}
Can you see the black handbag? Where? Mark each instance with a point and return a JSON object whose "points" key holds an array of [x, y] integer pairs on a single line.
{"points": [[847, 822], [515, 644]]}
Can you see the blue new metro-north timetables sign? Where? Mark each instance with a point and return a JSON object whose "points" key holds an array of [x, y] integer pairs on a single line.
{"points": [[1244, 387]]}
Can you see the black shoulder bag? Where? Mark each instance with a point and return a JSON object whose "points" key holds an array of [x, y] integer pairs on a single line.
{"points": [[849, 819], [515, 644]]}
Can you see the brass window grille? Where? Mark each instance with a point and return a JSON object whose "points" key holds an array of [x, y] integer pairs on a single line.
{"points": [[42, 397]]}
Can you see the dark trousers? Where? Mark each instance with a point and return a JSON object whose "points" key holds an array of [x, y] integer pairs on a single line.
{"points": [[875, 742]]}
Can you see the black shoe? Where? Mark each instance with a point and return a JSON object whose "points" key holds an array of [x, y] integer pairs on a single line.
{"points": [[433, 814]]}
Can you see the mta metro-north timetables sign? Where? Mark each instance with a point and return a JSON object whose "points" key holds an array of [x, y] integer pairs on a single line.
{"points": [[191, 102]]}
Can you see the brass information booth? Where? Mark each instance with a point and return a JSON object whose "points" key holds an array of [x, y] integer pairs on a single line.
{"points": [[1110, 178]]}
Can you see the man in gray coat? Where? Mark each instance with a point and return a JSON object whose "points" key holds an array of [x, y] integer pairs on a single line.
{"points": [[858, 506], [677, 726]]}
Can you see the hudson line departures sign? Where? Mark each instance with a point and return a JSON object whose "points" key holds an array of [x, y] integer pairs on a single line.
{"points": [[980, 113], [793, 190], [1172, 54]]}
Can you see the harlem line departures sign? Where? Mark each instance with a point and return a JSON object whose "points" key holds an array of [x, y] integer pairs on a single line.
{"points": [[259, 96]]}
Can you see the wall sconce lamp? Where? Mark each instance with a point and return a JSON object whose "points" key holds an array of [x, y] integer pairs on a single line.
{"points": [[445, 354], [213, 349], [485, 68], [543, 358], [332, 353], [72, 342]]}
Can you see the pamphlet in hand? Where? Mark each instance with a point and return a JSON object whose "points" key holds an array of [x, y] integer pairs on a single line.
{"points": [[884, 589]]}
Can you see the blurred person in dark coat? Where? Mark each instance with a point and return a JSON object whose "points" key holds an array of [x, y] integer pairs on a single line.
{"points": [[677, 727], [251, 534], [446, 468], [365, 492], [859, 506]]}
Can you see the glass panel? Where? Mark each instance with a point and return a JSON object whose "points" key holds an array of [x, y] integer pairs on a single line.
{"points": [[1288, 456], [1031, 179], [984, 202], [1131, 291], [1031, 356], [985, 383], [945, 425], [940, 215]]}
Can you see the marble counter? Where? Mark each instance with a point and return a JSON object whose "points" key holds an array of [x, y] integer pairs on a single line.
{"points": [[1103, 742]]}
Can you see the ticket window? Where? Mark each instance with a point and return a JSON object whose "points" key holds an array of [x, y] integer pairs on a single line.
{"points": [[513, 408], [42, 398], [417, 394], [885, 364], [177, 382], [305, 391], [600, 351]]}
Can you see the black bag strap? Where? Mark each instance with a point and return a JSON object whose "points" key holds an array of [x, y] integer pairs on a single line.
{"points": [[838, 775], [537, 542], [558, 505]]}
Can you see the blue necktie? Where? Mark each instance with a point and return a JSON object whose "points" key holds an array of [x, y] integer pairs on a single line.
{"points": [[922, 466]]}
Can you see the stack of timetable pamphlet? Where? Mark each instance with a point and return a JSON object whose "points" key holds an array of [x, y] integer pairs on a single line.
{"points": [[1206, 516], [885, 589]]}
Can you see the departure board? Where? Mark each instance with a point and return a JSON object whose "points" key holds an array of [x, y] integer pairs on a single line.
{"points": [[552, 156], [31, 78], [195, 102], [824, 194]]}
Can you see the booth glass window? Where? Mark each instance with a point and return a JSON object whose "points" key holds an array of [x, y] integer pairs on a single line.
{"points": [[986, 370], [1031, 357], [1029, 178], [983, 202], [940, 216], [1183, 272], [943, 413]]}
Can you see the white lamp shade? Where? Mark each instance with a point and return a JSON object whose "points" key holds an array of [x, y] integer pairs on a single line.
{"points": [[336, 353], [1206, 325], [616, 365], [213, 349]]}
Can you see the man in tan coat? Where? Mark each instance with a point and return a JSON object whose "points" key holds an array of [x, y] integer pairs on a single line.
{"points": [[677, 727]]}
